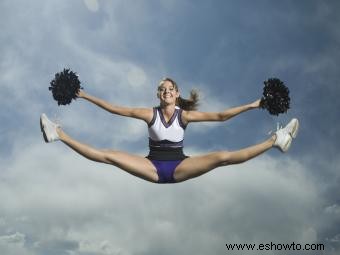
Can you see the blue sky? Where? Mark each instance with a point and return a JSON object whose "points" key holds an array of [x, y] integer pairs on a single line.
{"points": [[53, 201]]}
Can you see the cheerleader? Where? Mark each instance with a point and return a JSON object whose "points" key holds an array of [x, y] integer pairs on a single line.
{"points": [[166, 161]]}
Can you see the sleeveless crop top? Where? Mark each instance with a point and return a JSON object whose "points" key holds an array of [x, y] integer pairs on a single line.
{"points": [[166, 138]]}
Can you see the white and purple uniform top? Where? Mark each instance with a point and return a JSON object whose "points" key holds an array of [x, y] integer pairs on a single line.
{"points": [[166, 138]]}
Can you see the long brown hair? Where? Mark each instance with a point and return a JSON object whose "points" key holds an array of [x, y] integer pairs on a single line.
{"points": [[189, 104]]}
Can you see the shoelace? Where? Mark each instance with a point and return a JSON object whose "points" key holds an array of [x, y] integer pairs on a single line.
{"points": [[278, 126], [56, 120]]}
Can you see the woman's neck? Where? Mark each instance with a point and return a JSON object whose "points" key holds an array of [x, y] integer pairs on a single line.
{"points": [[168, 110]]}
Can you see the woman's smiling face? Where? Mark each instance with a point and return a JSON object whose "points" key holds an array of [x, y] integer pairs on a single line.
{"points": [[167, 93]]}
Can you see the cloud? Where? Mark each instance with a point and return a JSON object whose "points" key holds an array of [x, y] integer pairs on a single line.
{"points": [[14, 244], [92, 5], [136, 77], [91, 207], [16, 238], [333, 210]]}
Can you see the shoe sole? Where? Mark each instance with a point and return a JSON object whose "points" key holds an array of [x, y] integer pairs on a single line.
{"points": [[295, 129], [42, 130]]}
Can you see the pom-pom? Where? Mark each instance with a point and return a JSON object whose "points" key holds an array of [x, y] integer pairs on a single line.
{"points": [[275, 96], [65, 86]]}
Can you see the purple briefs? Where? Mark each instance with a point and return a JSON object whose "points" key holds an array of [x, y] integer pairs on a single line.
{"points": [[166, 169]]}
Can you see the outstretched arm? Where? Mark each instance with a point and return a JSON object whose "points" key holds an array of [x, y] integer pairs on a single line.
{"points": [[138, 113], [195, 116]]}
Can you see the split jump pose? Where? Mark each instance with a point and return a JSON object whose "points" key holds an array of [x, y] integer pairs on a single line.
{"points": [[166, 162]]}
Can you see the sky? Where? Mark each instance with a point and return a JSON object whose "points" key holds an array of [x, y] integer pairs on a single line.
{"points": [[55, 202]]}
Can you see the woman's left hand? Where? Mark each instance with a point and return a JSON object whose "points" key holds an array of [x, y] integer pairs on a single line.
{"points": [[80, 94]]}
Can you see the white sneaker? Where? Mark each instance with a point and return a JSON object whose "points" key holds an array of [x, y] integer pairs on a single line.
{"points": [[293, 127], [283, 140], [49, 129]]}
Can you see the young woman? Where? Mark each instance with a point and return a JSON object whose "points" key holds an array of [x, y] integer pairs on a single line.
{"points": [[166, 162]]}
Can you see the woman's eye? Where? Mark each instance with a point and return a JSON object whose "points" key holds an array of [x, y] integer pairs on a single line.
{"points": [[164, 89]]}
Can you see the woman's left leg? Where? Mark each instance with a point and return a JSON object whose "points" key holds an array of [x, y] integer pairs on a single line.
{"points": [[196, 166]]}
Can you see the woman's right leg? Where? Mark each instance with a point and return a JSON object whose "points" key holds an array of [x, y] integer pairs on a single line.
{"points": [[135, 165]]}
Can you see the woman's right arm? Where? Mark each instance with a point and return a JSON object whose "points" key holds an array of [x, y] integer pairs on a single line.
{"points": [[145, 114]]}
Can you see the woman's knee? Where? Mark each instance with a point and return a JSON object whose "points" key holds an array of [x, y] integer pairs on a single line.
{"points": [[107, 156], [234, 157], [99, 155], [225, 158], [222, 158]]}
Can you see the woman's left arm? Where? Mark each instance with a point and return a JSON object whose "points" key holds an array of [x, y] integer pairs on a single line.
{"points": [[195, 116]]}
